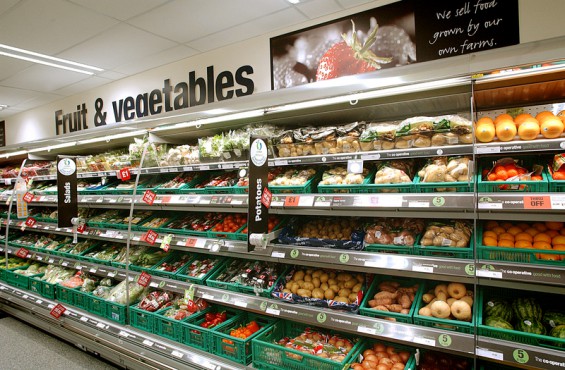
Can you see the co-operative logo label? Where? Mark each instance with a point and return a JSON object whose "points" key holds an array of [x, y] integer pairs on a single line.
{"points": [[66, 166], [258, 152]]}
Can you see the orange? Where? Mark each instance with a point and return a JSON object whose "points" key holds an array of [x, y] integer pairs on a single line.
{"points": [[506, 130], [562, 231], [492, 177], [503, 116], [506, 236], [542, 237], [521, 117], [560, 239], [541, 245], [541, 116], [523, 244], [539, 226], [506, 225], [512, 173], [551, 128], [554, 225], [529, 130], [559, 175], [489, 241], [523, 237], [506, 243], [514, 230], [552, 233], [498, 230], [485, 120], [501, 174], [485, 133], [561, 248], [491, 224], [533, 232], [523, 225], [490, 234]]}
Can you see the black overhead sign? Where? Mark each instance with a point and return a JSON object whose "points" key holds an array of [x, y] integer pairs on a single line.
{"points": [[446, 28], [258, 215]]}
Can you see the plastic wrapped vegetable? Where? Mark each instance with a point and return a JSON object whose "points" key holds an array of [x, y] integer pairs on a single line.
{"points": [[348, 137], [450, 234], [394, 172], [155, 301], [443, 169], [338, 175], [393, 231], [118, 293]]}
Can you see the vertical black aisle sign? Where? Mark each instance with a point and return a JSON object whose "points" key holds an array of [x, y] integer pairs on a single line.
{"points": [[67, 205], [258, 215]]}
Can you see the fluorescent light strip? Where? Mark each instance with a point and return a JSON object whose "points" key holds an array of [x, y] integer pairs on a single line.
{"points": [[51, 147], [13, 154], [50, 57], [33, 60], [111, 137]]}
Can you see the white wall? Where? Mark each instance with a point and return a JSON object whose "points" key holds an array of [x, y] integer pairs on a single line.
{"points": [[539, 20]]}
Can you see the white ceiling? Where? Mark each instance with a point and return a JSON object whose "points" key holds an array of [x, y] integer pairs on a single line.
{"points": [[126, 37]]}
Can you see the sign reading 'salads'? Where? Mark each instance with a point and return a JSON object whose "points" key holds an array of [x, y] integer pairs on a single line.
{"points": [[172, 96]]}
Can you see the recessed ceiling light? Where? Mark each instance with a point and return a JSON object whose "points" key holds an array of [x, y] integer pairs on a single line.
{"points": [[48, 60], [3, 106], [293, 1]]}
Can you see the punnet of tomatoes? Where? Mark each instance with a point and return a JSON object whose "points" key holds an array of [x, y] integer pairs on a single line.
{"points": [[231, 223], [273, 222], [244, 332], [212, 319]]}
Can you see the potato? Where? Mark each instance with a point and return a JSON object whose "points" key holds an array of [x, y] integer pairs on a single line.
{"points": [[324, 278], [334, 288], [324, 286], [316, 282], [341, 299], [317, 273], [300, 283], [298, 275], [344, 292], [332, 281], [357, 287], [307, 278], [350, 284], [308, 286], [294, 288], [329, 294], [304, 293], [360, 278], [332, 274], [289, 284], [318, 293], [352, 297]]}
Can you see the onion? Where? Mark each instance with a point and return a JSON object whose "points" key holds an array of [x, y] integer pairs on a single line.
{"points": [[386, 361], [382, 367], [368, 352], [404, 355], [372, 358], [379, 347], [395, 358], [390, 350], [369, 364]]}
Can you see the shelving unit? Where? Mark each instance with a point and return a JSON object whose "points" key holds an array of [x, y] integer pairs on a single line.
{"points": [[468, 95]]}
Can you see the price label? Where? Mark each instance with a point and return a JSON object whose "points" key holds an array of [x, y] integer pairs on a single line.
{"points": [[489, 274], [84, 318], [149, 197], [150, 237], [487, 149], [144, 279], [57, 311], [267, 197], [276, 201], [124, 174], [22, 253], [483, 352], [425, 341], [366, 330], [421, 268], [28, 197], [533, 202], [101, 325], [240, 304], [30, 222], [124, 334], [291, 201], [207, 296], [273, 311], [278, 254], [148, 343], [195, 243], [166, 243], [177, 354]]}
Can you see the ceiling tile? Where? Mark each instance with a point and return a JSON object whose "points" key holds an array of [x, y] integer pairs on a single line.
{"points": [[248, 30], [38, 101], [10, 66], [122, 9], [12, 96], [117, 46], [50, 26], [6, 4], [318, 8], [353, 3], [81, 86], [156, 60], [111, 75], [43, 78], [187, 20]]}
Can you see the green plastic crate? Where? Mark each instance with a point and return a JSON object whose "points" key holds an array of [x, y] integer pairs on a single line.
{"points": [[519, 255], [167, 230], [170, 328], [198, 337], [142, 319], [407, 187], [512, 186], [555, 186], [240, 288], [447, 252], [485, 293], [432, 187], [44, 288], [96, 305], [270, 356], [180, 190], [81, 300], [116, 312], [200, 280], [308, 188], [445, 324], [365, 310], [352, 188], [368, 344], [18, 280], [393, 249], [65, 294], [237, 235], [238, 349], [173, 256]]}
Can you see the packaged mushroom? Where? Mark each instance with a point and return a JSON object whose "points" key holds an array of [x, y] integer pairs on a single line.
{"points": [[447, 234], [323, 288], [444, 169], [393, 231]]}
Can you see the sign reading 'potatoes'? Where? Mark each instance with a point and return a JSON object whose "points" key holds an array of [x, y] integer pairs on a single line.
{"points": [[446, 28]]}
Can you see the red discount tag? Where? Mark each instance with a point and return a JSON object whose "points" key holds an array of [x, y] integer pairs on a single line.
{"points": [[149, 197], [266, 198], [81, 228], [124, 174], [58, 311], [150, 237], [22, 253], [144, 279], [28, 197], [30, 222], [291, 201]]}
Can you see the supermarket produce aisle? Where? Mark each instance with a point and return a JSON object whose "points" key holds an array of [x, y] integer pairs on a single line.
{"points": [[24, 347]]}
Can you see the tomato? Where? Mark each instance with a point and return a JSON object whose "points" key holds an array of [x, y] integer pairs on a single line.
{"points": [[222, 316], [209, 316]]}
